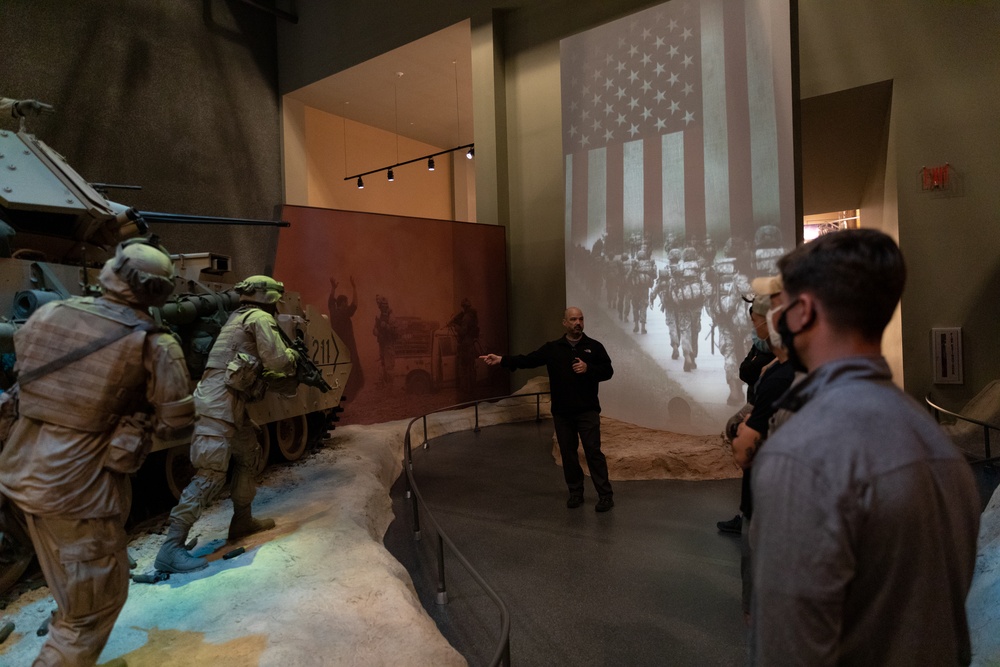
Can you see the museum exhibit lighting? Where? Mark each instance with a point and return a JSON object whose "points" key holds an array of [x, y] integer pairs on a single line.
{"points": [[471, 154], [470, 148], [361, 184], [390, 176]]}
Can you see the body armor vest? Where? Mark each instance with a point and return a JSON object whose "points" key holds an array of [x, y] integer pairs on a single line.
{"points": [[233, 339], [91, 393]]}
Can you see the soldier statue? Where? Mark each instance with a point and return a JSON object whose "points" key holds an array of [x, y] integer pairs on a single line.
{"points": [[249, 352], [97, 377]]}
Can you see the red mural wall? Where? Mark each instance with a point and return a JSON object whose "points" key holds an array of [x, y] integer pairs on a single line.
{"points": [[414, 300]]}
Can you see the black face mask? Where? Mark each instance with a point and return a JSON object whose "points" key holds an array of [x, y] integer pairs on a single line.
{"points": [[788, 337]]}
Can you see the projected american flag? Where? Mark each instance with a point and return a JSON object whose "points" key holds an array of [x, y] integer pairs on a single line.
{"points": [[670, 124]]}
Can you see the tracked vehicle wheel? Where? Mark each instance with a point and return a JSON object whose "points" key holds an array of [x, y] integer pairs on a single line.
{"points": [[291, 437]]}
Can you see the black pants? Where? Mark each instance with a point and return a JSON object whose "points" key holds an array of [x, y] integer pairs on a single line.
{"points": [[587, 427]]}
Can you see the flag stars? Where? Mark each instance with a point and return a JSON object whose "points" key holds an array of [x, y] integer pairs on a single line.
{"points": [[584, 140], [621, 42], [621, 119], [573, 106], [620, 94], [674, 78], [608, 109], [674, 51], [646, 59], [634, 130], [597, 74], [661, 124], [586, 91], [674, 107], [596, 125], [660, 96], [586, 114], [673, 25], [646, 33], [688, 60], [608, 84], [633, 77], [688, 117], [621, 67], [646, 113], [660, 42], [688, 89], [687, 33], [660, 69], [610, 59], [608, 135], [597, 99], [633, 104], [633, 51], [572, 130], [646, 86]]}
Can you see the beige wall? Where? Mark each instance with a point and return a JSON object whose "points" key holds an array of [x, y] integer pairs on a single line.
{"points": [[320, 149], [944, 60]]}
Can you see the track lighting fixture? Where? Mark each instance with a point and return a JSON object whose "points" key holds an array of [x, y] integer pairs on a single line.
{"points": [[390, 170]]}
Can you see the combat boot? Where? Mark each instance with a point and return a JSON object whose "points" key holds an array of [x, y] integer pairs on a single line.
{"points": [[173, 557], [244, 524]]}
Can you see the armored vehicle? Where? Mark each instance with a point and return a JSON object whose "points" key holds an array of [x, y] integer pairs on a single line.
{"points": [[56, 230]]}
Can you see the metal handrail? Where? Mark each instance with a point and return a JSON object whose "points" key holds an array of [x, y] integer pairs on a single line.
{"points": [[501, 655], [938, 410]]}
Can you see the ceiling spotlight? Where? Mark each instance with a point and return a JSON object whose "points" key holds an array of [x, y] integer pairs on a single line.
{"points": [[471, 154], [361, 184], [430, 164], [391, 177]]}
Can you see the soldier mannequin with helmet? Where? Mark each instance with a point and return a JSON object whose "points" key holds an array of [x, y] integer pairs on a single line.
{"points": [[97, 378], [247, 353]]}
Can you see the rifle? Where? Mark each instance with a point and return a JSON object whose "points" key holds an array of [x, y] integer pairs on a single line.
{"points": [[306, 371]]}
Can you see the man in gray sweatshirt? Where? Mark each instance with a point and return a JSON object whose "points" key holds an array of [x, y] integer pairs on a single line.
{"points": [[865, 513]]}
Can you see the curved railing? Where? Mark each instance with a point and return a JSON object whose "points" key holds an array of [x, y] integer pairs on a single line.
{"points": [[938, 411], [501, 655]]}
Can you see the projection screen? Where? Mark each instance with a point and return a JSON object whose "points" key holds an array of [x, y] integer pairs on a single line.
{"points": [[679, 177]]}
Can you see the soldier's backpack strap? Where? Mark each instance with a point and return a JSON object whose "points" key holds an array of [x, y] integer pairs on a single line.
{"points": [[80, 353]]}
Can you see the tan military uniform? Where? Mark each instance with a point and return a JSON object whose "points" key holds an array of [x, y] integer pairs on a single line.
{"points": [[53, 468], [224, 429]]}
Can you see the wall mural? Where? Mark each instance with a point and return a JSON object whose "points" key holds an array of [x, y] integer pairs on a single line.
{"points": [[679, 185], [414, 300]]}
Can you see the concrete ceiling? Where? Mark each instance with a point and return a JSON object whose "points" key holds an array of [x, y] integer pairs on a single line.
{"points": [[430, 101]]}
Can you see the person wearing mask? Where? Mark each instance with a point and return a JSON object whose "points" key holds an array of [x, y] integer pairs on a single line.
{"points": [[865, 514]]}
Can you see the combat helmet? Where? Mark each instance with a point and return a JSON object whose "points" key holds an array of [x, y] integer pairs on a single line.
{"points": [[264, 290], [141, 273]]}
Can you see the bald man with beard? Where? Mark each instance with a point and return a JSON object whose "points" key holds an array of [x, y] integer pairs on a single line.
{"points": [[576, 364]]}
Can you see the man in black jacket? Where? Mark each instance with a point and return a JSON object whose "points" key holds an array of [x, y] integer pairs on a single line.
{"points": [[576, 364]]}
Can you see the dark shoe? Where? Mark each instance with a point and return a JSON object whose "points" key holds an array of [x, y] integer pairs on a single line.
{"points": [[243, 523], [604, 504], [574, 502], [675, 354], [173, 556], [734, 525]]}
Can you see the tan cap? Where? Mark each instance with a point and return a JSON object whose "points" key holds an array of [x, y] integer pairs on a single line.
{"points": [[764, 288]]}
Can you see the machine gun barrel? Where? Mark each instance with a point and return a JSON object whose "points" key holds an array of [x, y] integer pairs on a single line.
{"points": [[181, 218]]}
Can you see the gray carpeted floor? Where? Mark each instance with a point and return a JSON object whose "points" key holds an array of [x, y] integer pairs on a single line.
{"points": [[649, 583]]}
